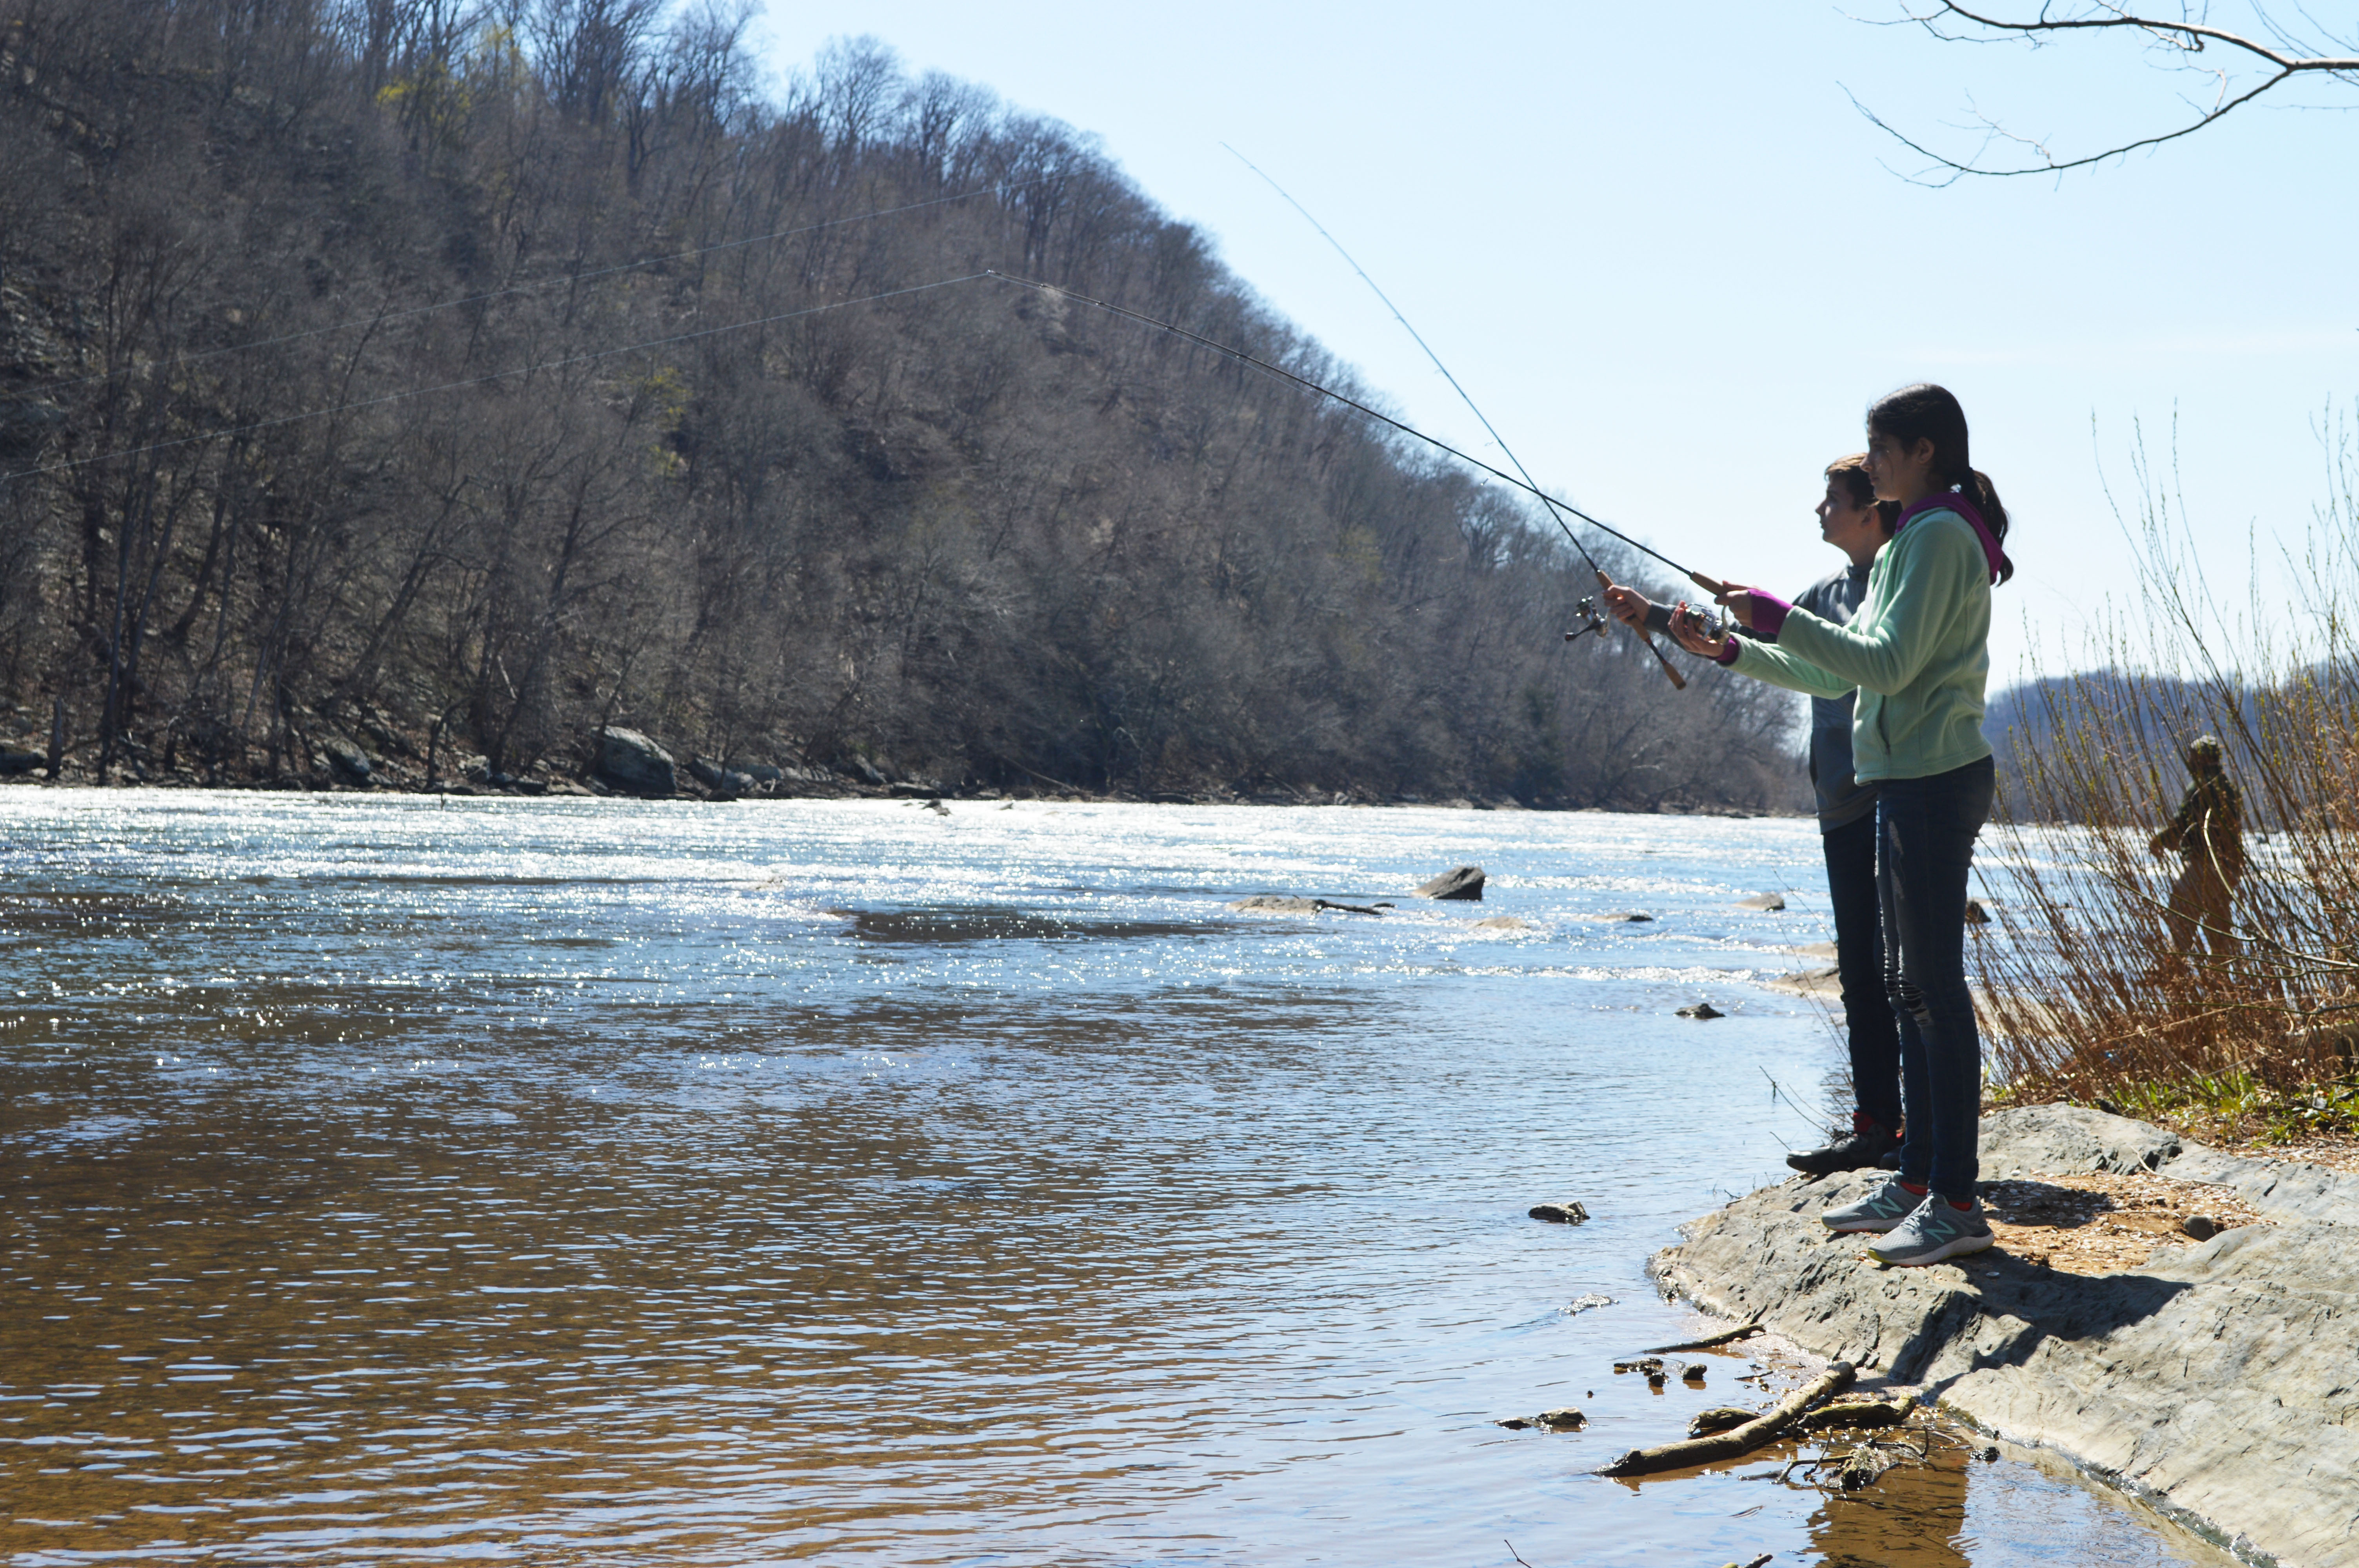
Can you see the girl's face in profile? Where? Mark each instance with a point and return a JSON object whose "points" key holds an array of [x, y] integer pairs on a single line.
{"points": [[1900, 473]]}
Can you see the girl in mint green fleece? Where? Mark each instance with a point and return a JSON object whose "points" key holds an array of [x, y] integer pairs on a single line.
{"points": [[1918, 652]]}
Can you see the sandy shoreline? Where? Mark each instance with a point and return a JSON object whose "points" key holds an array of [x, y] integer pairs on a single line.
{"points": [[2216, 1380]]}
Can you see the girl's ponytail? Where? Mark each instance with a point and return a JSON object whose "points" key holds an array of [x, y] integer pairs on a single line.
{"points": [[1985, 495]]}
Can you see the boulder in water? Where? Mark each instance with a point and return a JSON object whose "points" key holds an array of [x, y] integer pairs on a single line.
{"points": [[1461, 882], [1560, 1213], [1700, 1009], [1763, 903], [630, 763]]}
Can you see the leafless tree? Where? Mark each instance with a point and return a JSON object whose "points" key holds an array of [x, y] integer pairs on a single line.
{"points": [[2233, 68]]}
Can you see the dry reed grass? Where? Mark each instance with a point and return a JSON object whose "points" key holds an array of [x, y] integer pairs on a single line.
{"points": [[2083, 996]]}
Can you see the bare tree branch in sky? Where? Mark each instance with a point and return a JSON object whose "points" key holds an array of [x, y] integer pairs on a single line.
{"points": [[2188, 41]]}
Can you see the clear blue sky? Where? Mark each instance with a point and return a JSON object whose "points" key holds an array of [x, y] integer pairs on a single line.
{"points": [[1666, 255]]}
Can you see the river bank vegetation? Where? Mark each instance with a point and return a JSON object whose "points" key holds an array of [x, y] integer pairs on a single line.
{"points": [[2086, 996], [324, 437]]}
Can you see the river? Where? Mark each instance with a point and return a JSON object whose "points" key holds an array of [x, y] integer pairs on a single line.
{"points": [[568, 1181]]}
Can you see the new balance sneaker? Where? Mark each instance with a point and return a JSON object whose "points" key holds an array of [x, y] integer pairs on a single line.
{"points": [[1863, 1148], [1935, 1231], [1882, 1210]]}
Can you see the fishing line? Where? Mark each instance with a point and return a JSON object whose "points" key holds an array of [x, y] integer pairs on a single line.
{"points": [[1596, 624], [484, 380], [1309, 385], [1462, 395], [568, 278]]}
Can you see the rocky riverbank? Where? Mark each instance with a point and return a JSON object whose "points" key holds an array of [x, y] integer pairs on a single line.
{"points": [[2216, 1379]]}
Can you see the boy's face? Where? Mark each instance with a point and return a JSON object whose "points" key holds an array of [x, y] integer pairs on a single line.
{"points": [[1845, 522]]}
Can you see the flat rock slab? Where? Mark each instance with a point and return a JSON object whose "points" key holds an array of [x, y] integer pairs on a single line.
{"points": [[1275, 904], [2220, 1381]]}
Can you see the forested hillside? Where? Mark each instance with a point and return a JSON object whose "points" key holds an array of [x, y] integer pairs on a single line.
{"points": [[388, 373]]}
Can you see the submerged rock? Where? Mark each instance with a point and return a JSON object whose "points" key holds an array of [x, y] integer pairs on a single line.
{"points": [[1564, 1420], [1763, 903], [1461, 882], [1719, 1418], [1700, 1009], [1560, 1213]]}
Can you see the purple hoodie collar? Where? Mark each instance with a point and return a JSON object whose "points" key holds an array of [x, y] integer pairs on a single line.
{"points": [[1952, 500]]}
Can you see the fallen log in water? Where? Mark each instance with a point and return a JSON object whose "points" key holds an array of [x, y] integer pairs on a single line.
{"points": [[1738, 1440]]}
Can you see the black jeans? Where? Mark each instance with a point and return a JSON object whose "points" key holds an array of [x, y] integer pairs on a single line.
{"points": [[1859, 962], [1925, 844]]}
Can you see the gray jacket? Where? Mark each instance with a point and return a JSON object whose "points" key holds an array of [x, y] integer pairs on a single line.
{"points": [[1842, 799]]}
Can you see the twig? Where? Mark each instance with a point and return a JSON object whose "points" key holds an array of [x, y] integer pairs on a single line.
{"points": [[1512, 1552], [1776, 1092], [1742, 1331]]}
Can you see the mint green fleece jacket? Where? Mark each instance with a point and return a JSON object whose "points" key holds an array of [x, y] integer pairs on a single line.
{"points": [[1917, 651]]}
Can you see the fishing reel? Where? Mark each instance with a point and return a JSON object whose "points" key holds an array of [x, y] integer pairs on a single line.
{"points": [[1713, 623], [1587, 610]]}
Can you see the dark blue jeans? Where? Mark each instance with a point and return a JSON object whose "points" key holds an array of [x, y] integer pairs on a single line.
{"points": [[1925, 844], [1859, 962]]}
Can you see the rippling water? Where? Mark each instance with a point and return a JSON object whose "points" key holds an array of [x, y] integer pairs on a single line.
{"points": [[574, 1181]]}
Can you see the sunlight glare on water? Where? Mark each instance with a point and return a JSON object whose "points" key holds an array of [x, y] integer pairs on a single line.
{"points": [[581, 1181]]}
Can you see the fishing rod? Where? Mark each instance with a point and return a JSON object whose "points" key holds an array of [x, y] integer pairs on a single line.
{"points": [[1282, 373], [1587, 607]]}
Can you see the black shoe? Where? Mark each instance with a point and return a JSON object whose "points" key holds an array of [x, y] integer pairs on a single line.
{"points": [[1862, 1148]]}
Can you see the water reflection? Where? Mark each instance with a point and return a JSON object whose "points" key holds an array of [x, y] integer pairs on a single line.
{"points": [[578, 1182]]}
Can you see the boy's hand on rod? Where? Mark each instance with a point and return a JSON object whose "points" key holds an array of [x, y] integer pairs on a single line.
{"points": [[1627, 605]]}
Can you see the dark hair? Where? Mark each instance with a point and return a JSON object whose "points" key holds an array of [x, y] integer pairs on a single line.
{"points": [[1853, 472], [1928, 413]]}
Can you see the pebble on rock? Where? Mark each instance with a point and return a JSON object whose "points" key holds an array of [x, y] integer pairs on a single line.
{"points": [[2202, 1226]]}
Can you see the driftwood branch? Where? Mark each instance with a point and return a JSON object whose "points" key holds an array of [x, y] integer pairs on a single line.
{"points": [[1737, 1440], [2182, 36], [1726, 1335]]}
